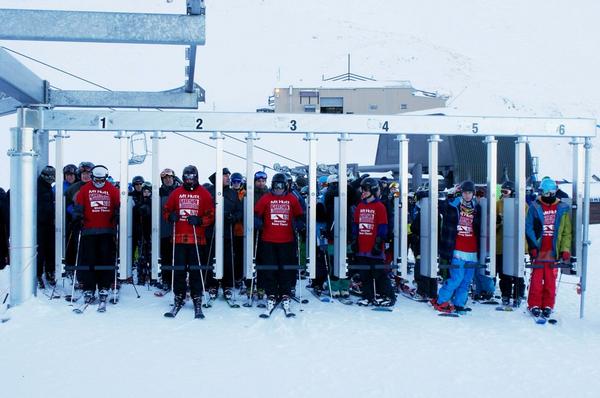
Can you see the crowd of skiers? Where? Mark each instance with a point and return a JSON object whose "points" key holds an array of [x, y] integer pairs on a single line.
{"points": [[187, 239]]}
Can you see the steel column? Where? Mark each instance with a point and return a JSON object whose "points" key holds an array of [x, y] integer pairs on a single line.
{"points": [[219, 225], [343, 205], [401, 219], [59, 204], [124, 243], [489, 256], [586, 223], [23, 213], [156, 210], [311, 217], [520, 193], [576, 205], [43, 144], [434, 141], [249, 208]]}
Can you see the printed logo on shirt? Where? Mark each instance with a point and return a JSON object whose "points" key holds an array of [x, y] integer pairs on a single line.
{"points": [[549, 219], [280, 212], [366, 221], [465, 224], [188, 206], [99, 201]]}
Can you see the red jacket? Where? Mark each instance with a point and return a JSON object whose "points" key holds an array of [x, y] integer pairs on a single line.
{"points": [[197, 202], [278, 214], [100, 207]]}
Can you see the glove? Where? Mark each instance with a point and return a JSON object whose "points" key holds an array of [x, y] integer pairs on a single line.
{"points": [[354, 246], [258, 223], [565, 256], [173, 218], [194, 220], [299, 225], [77, 223], [376, 250], [533, 253], [498, 219]]}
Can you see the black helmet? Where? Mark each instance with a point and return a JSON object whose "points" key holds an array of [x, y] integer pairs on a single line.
{"points": [[369, 185], [85, 166], [279, 181], [137, 180], [70, 169], [147, 186], [467, 186], [190, 177], [508, 185], [48, 174]]}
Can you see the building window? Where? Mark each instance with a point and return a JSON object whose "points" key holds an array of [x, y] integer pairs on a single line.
{"points": [[403, 106], [332, 105], [310, 108], [373, 107]]}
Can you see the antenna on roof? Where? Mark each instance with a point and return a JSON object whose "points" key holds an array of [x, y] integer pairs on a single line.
{"points": [[348, 76]]}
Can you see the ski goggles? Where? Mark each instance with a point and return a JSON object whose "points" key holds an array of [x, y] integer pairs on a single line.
{"points": [[260, 175], [279, 185], [167, 173], [190, 176]]}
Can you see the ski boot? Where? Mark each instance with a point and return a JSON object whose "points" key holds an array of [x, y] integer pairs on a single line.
{"points": [[198, 307], [505, 301], [517, 301], [365, 302], [40, 283], [386, 302], [546, 312], [227, 294], [88, 297], [271, 303], [102, 295], [50, 279], [535, 311], [177, 304], [212, 293], [445, 307], [285, 302]]}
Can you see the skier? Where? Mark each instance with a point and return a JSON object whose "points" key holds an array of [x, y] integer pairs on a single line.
{"points": [[510, 286], [369, 231], [136, 229], [548, 233], [96, 210], [260, 189], [142, 218], [459, 247], [169, 184], [239, 187], [279, 214], [190, 207], [45, 226], [3, 229]]}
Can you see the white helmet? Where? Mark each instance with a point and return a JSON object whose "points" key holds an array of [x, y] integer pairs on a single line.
{"points": [[99, 176], [332, 178]]}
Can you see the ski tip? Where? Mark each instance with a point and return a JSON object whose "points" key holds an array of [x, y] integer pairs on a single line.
{"points": [[263, 316], [552, 321], [168, 315]]}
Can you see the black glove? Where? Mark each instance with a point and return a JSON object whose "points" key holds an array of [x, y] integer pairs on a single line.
{"points": [[498, 219], [376, 250], [173, 218], [354, 246], [76, 223], [194, 220], [299, 225], [258, 223]]}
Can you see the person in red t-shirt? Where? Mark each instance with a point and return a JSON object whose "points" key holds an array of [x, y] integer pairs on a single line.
{"points": [[549, 237], [278, 215], [369, 230], [96, 211], [190, 208]]}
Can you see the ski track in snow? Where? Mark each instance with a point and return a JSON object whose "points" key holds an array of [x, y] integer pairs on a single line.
{"points": [[329, 348]]}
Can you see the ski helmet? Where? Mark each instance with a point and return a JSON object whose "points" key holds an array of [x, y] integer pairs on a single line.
{"points": [[260, 175], [167, 172], [70, 169], [137, 180], [548, 186], [48, 174], [508, 185], [99, 176], [237, 177], [190, 177], [279, 181], [369, 185], [85, 166], [467, 186], [147, 186]]}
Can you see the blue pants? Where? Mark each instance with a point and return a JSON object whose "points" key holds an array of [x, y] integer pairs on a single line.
{"points": [[483, 282], [457, 286]]}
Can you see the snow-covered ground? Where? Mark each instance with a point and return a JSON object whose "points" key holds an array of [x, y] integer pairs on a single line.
{"points": [[329, 349]]}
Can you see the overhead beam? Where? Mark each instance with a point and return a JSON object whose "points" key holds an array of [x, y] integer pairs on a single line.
{"points": [[18, 82], [173, 99], [84, 120], [8, 105], [102, 27]]}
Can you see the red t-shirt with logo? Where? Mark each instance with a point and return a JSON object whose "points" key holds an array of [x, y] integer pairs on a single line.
{"points": [[99, 206], [368, 217], [465, 234], [184, 203], [547, 231], [278, 213]]}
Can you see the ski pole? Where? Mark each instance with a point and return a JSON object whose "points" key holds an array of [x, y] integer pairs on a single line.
{"points": [[209, 259], [173, 264], [199, 263], [232, 261], [325, 256], [299, 278], [254, 274], [76, 265]]}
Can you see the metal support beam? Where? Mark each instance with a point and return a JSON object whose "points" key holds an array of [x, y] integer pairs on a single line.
{"points": [[16, 80], [156, 209], [488, 256], [98, 120], [577, 204], [124, 242], [434, 141], [59, 204], [8, 105], [311, 217], [401, 214], [249, 238], [101, 27], [171, 99], [520, 194], [43, 149], [23, 213], [219, 224], [342, 221], [586, 223]]}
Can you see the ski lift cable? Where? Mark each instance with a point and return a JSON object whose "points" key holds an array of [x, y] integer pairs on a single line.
{"points": [[107, 89]]}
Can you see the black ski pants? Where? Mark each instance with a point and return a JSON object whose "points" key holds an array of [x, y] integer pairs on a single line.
{"points": [[166, 258], [510, 286], [426, 286], [276, 264], [186, 262], [97, 259], [377, 273], [46, 250]]}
